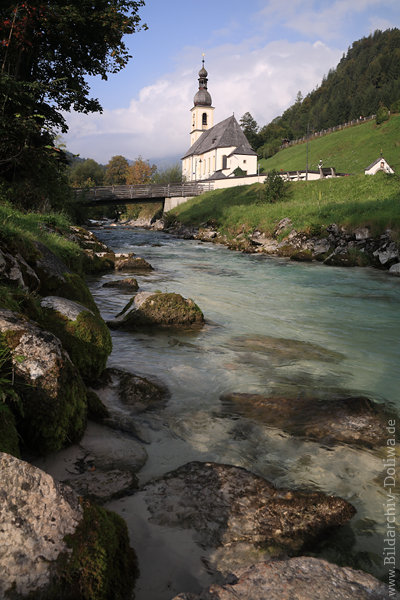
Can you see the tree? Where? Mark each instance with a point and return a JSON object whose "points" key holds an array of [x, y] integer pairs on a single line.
{"points": [[140, 171], [169, 175], [116, 171], [46, 51], [250, 129], [86, 173]]}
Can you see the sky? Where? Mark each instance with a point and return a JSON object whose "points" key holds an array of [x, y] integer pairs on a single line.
{"points": [[258, 53]]}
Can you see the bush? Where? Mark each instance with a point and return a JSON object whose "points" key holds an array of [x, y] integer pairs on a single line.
{"points": [[274, 189], [382, 115]]}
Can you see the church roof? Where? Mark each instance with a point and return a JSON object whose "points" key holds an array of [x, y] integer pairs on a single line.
{"points": [[225, 134]]}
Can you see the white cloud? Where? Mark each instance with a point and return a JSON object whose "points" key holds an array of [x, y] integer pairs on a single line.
{"points": [[263, 81]]}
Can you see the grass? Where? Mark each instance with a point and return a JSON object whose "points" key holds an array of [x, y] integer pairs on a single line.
{"points": [[19, 231], [350, 150], [349, 201]]}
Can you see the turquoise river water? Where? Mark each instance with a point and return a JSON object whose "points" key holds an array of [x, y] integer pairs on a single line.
{"points": [[352, 314]]}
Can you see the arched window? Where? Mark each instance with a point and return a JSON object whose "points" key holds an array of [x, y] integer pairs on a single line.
{"points": [[224, 162], [204, 119]]}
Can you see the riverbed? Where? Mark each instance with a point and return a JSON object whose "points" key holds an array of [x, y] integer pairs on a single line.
{"points": [[323, 331]]}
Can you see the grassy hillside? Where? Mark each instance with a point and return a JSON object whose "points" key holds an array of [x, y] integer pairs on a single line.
{"points": [[349, 201], [349, 150]]}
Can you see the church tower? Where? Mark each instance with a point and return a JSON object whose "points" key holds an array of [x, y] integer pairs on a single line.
{"points": [[202, 111]]}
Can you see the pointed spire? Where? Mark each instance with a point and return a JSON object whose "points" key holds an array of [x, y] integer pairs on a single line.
{"points": [[202, 98]]}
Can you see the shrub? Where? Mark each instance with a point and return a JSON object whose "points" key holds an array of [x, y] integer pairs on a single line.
{"points": [[274, 188]]}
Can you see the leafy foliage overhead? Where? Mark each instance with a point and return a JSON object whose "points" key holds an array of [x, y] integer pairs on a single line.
{"points": [[47, 49]]}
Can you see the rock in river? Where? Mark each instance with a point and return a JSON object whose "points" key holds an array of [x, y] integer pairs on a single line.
{"points": [[301, 578], [129, 262], [157, 309], [234, 511], [357, 421], [54, 546], [52, 391]]}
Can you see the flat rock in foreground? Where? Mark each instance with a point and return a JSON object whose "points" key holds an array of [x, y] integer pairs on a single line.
{"points": [[301, 578], [227, 506]]}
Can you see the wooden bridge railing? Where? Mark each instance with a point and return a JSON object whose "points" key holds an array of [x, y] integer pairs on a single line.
{"points": [[135, 192]]}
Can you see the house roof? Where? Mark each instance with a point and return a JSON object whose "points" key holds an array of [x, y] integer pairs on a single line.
{"points": [[376, 162], [225, 134]]}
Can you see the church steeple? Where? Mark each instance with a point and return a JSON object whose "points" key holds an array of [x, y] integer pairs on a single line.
{"points": [[202, 111]]}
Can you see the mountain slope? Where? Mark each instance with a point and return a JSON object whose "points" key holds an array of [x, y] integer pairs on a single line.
{"points": [[350, 150]]}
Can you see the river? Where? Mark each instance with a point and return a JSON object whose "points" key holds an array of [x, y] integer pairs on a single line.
{"points": [[351, 315]]}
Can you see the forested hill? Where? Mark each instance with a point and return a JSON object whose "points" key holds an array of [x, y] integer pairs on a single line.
{"points": [[366, 78]]}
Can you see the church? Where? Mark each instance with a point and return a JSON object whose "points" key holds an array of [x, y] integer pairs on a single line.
{"points": [[217, 151]]}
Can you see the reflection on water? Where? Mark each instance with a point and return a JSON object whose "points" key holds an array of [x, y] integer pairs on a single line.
{"points": [[273, 327]]}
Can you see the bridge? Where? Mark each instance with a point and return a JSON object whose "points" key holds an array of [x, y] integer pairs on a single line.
{"points": [[139, 194]]}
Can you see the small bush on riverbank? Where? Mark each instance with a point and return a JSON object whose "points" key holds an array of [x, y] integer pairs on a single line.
{"points": [[349, 201]]}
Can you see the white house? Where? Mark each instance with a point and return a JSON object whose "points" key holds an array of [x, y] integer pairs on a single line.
{"points": [[379, 164], [216, 151]]}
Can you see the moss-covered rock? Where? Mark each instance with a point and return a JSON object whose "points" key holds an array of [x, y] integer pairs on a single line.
{"points": [[9, 439], [52, 392], [102, 565], [159, 310], [66, 549], [84, 334], [97, 411], [56, 278], [128, 284], [302, 256]]}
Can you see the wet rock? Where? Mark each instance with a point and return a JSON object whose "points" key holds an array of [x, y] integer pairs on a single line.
{"points": [[283, 350], [35, 514], [148, 309], [87, 240], [135, 392], [395, 269], [131, 263], [299, 578], [101, 467], [228, 507], [124, 396], [101, 487], [128, 284], [356, 421], [83, 334], [52, 392], [302, 256], [206, 235]]}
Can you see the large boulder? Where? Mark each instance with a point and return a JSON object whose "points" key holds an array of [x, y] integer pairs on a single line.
{"points": [[351, 420], [130, 262], [149, 309], [301, 578], [236, 512], [35, 514], [56, 278], [83, 334], [52, 392], [52, 546]]}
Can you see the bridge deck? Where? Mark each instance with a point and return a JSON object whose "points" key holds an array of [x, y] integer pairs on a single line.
{"points": [[125, 194]]}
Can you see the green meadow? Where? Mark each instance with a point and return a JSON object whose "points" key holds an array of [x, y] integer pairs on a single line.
{"points": [[349, 201], [349, 150]]}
